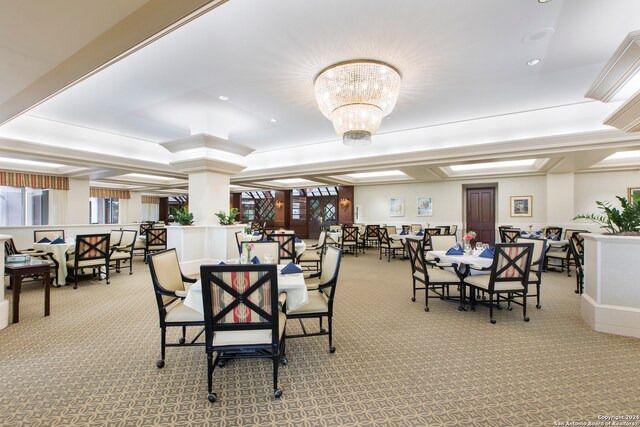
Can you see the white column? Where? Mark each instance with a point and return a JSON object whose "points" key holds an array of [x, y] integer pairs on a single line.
{"points": [[4, 304], [560, 205], [134, 213], [208, 194], [78, 201]]}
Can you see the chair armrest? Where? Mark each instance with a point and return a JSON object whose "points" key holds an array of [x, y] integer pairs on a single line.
{"points": [[444, 264], [189, 279], [478, 268], [181, 294]]}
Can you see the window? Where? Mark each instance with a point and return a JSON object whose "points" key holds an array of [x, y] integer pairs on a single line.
{"points": [[23, 206], [104, 211]]}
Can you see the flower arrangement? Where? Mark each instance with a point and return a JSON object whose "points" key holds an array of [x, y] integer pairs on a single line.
{"points": [[247, 249], [470, 235]]}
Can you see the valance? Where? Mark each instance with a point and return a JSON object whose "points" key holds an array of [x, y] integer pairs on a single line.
{"points": [[109, 193], [151, 200], [19, 179]]}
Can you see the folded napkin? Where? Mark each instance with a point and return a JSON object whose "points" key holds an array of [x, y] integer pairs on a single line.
{"points": [[555, 238], [58, 241], [291, 268], [487, 253], [222, 263], [44, 240], [255, 260], [256, 233], [539, 232], [420, 233], [456, 250], [403, 233], [264, 240], [523, 233], [298, 240]]}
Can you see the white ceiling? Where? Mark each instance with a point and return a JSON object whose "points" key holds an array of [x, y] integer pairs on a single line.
{"points": [[464, 67]]}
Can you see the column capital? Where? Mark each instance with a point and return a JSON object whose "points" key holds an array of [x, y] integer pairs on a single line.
{"points": [[206, 164]]}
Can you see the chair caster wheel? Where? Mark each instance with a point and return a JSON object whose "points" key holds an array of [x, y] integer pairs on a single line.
{"points": [[510, 308], [526, 319], [538, 306], [413, 299], [426, 309], [160, 364], [212, 397], [181, 340], [493, 321], [221, 363], [332, 349], [577, 292], [284, 361], [277, 393], [460, 308]]}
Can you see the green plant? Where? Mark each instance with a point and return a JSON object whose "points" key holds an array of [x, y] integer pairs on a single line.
{"points": [[183, 216], [615, 221], [227, 219]]}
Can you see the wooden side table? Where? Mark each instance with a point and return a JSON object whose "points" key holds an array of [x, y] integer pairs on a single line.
{"points": [[19, 270]]}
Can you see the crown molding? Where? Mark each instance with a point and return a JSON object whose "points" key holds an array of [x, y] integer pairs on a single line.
{"points": [[627, 117], [622, 65], [204, 140], [207, 165]]}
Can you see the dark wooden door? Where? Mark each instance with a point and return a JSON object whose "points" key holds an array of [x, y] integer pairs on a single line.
{"points": [[321, 212], [481, 214]]}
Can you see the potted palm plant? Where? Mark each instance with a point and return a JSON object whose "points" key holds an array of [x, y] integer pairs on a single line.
{"points": [[227, 219], [625, 222], [183, 216]]}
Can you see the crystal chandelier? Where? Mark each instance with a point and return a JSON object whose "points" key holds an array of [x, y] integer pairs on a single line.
{"points": [[356, 96]]}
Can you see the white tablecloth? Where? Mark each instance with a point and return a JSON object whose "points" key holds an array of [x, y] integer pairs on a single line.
{"points": [[464, 260], [59, 254], [300, 246], [292, 284], [402, 237]]}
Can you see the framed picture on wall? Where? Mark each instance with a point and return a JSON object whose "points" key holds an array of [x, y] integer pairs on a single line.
{"points": [[396, 206], [633, 191], [521, 205], [424, 206]]}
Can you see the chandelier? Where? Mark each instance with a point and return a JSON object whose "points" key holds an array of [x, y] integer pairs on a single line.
{"points": [[356, 96]]}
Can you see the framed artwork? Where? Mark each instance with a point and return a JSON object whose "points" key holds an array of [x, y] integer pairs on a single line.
{"points": [[424, 206], [521, 205], [632, 191], [396, 206]]}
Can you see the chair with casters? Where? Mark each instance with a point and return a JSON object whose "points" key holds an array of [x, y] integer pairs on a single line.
{"points": [[576, 248], [349, 240], [261, 248], [371, 235], [144, 227], [311, 259], [509, 235], [436, 280], [156, 241], [553, 233], [241, 316], [10, 249], [388, 246], [444, 229], [114, 237], [91, 252], [557, 252], [49, 234], [123, 251], [439, 242], [287, 245], [537, 266], [320, 302], [509, 275], [168, 285]]}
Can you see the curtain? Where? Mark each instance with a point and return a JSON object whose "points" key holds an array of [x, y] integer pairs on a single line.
{"points": [[151, 199], [123, 211], [58, 206], [17, 179], [150, 211], [109, 193]]}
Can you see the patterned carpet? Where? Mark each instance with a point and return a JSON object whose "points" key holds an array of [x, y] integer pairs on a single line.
{"points": [[92, 362]]}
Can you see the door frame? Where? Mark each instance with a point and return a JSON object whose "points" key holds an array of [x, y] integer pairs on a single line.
{"points": [[493, 185]]}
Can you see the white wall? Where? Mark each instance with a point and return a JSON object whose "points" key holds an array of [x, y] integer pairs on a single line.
{"points": [[78, 201]]}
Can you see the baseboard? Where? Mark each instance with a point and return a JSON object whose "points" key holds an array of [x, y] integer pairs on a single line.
{"points": [[611, 319]]}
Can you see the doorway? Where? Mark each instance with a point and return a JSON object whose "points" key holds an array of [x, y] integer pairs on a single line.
{"points": [[481, 213]]}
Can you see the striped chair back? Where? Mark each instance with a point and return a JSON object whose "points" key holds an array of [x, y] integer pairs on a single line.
{"points": [[511, 263]]}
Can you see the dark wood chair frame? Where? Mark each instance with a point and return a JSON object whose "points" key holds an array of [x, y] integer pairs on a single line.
{"points": [[328, 286], [287, 245], [274, 350], [143, 229], [576, 249], [371, 238], [537, 267], [349, 235], [320, 248], [433, 231], [553, 232], [101, 246], [523, 276], [123, 248], [162, 310], [444, 229], [239, 237], [385, 245], [509, 235], [10, 249], [155, 237]]}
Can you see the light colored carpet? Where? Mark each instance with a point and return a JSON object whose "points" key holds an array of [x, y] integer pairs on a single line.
{"points": [[92, 362]]}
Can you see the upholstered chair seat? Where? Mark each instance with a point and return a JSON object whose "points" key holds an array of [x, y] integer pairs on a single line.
{"points": [[261, 336], [318, 303]]}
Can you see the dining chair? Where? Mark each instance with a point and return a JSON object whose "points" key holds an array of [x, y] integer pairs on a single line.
{"points": [[241, 317], [91, 251], [509, 274], [156, 241], [114, 237], [287, 245], [256, 226], [320, 304], [439, 242], [416, 227], [509, 235], [144, 227], [49, 234], [261, 248], [10, 249], [576, 245], [123, 251], [349, 240], [311, 259], [239, 239], [388, 245], [406, 228], [567, 236], [170, 291], [453, 229], [444, 229], [537, 266], [433, 231], [371, 235], [553, 233], [435, 280], [391, 229]]}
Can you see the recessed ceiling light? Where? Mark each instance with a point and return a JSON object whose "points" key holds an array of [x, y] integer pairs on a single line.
{"points": [[223, 98], [493, 165], [533, 62], [273, 120], [544, 1], [377, 174]]}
